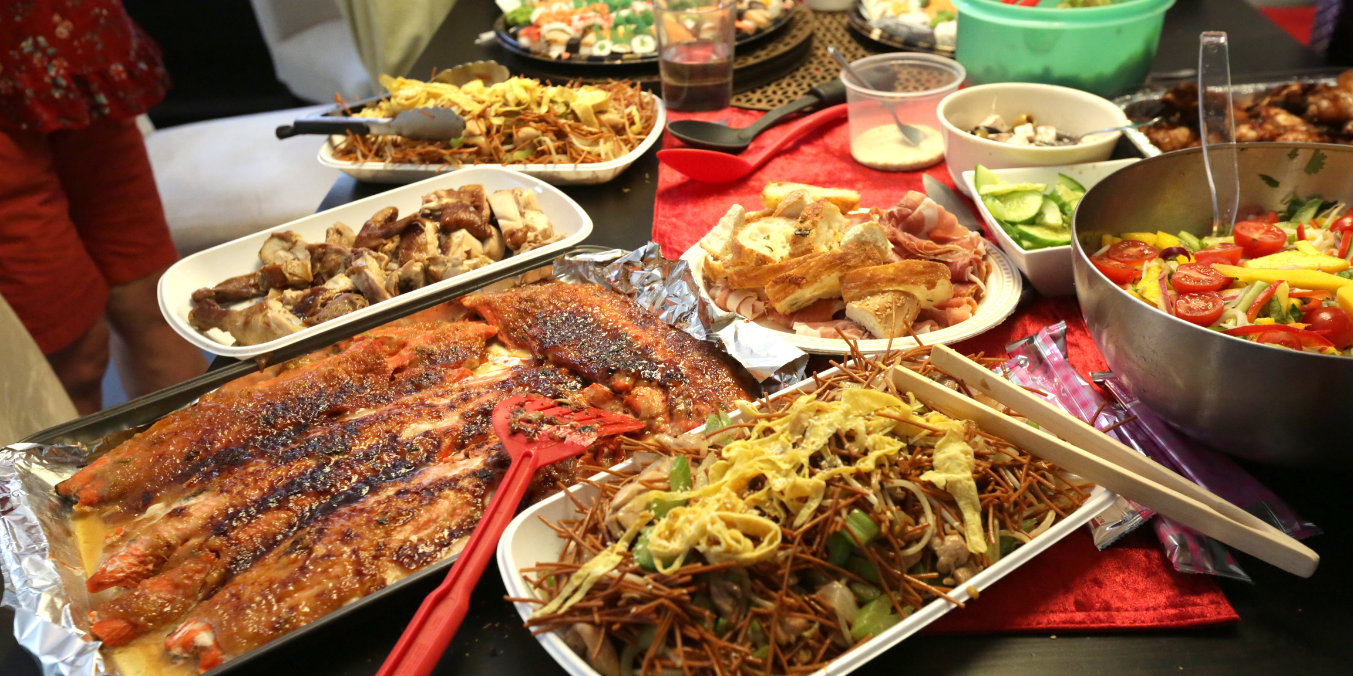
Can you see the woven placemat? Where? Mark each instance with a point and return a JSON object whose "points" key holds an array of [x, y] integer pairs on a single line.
{"points": [[827, 28]]}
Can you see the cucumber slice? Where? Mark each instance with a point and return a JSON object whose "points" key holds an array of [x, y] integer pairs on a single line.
{"points": [[1068, 193], [1007, 188], [1050, 214], [982, 177], [1069, 183], [1015, 207], [1042, 236]]}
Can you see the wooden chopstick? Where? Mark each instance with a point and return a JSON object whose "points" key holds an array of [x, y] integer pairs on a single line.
{"points": [[1262, 543], [1082, 434]]}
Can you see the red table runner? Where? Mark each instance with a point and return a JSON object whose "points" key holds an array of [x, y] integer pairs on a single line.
{"points": [[1072, 586]]}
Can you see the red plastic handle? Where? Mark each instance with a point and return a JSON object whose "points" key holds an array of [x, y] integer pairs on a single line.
{"points": [[796, 130], [435, 624]]}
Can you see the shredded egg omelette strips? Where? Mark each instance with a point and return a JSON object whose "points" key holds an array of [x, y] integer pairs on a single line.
{"points": [[514, 94], [722, 524]]}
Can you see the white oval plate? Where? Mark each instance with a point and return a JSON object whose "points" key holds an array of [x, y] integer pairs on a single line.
{"points": [[527, 541], [221, 262], [1003, 288], [556, 174]]}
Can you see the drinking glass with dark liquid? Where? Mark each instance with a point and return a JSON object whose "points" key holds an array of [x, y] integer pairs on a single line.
{"points": [[695, 42]]}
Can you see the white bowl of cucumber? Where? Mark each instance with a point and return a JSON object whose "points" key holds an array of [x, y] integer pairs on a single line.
{"points": [[1029, 212], [1069, 111]]}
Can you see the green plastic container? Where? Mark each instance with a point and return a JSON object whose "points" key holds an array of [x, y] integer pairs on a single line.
{"points": [[1103, 50]]}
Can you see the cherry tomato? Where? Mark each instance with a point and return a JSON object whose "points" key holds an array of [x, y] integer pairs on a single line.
{"points": [[1265, 217], [1225, 253], [1198, 277], [1203, 308], [1279, 338], [1118, 273], [1259, 239], [1132, 252], [1344, 224], [1336, 322]]}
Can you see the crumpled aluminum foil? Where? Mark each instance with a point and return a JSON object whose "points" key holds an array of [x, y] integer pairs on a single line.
{"points": [[668, 289], [36, 558]]}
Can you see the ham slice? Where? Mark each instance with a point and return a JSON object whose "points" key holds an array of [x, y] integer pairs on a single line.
{"points": [[920, 216], [820, 311], [840, 329]]}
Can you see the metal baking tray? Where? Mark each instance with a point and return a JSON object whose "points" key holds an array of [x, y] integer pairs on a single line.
{"points": [[1242, 94], [145, 410]]}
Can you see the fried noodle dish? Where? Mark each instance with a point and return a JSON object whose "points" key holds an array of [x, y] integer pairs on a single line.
{"points": [[519, 121], [777, 544]]}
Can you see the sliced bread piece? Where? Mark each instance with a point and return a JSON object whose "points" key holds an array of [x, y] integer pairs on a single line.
{"points": [[760, 242], [817, 278], [820, 228], [845, 200], [927, 280], [792, 204], [868, 234], [758, 276], [886, 314], [718, 241]]}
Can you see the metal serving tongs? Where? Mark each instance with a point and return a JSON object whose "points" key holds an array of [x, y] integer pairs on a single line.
{"points": [[1216, 115], [430, 123], [1097, 457], [536, 431]]}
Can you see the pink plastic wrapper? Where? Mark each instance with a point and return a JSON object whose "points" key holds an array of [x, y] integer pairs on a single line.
{"points": [[1039, 362]]}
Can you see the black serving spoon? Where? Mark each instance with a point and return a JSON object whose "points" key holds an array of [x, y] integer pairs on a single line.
{"points": [[712, 136]]}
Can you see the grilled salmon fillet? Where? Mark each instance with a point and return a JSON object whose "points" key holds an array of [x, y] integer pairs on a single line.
{"points": [[665, 376], [352, 552]]}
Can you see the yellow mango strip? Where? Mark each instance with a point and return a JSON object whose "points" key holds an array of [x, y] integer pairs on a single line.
{"points": [[1301, 279], [1306, 247], [1344, 296], [1281, 295], [1299, 259], [1165, 240], [1143, 237]]}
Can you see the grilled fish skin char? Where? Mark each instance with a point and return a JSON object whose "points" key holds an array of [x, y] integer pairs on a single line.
{"points": [[401, 528], [255, 509], [670, 379], [237, 422]]}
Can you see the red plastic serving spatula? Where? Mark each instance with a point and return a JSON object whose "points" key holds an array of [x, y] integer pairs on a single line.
{"points": [[536, 432], [711, 166]]}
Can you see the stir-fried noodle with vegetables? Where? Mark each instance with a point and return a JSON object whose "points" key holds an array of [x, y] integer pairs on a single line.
{"points": [[777, 544], [518, 121]]}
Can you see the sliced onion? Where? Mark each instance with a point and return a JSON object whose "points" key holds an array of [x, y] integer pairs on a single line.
{"points": [[1170, 253], [1164, 294]]}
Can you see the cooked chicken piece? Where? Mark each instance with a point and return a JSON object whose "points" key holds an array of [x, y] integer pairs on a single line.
{"points": [[341, 304], [368, 274], [524, 225], [286, 252], [436, 268], [377, 229], [494, 247], [463, 209], [317, 300], [340, 235], [1330, 105], [234, 289], [259, 323], [418, 241], [409, 276], [461, 244], [328, 260], [1169, 138]]}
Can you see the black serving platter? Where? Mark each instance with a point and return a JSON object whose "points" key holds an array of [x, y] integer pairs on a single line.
{"points": [[508, 39], [883, 39]]}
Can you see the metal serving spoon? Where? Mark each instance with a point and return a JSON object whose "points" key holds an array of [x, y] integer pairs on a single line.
{"points": [[725, 139], [1073, 139], [911, 135]]}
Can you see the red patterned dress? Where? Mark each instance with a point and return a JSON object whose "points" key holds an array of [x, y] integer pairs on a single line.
{"points": [[79, 211]]}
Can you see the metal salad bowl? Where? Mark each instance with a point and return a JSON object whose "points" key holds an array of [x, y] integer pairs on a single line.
{"points": [[1258, 402]]}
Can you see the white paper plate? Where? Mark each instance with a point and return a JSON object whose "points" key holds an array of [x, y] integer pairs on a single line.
{"points": [[528, 541], [1003, 288], [557, 174], [215, 265]]}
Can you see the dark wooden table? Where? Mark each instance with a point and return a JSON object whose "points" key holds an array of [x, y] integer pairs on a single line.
{"points": [[1288, 625]]}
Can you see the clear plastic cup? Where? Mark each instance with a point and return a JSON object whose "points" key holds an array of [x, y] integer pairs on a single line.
{"points": [[695, 48], [914, 85]]}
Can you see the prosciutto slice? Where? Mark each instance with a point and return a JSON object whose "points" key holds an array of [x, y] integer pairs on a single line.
{"points": [[921, 217], [840, 329]]}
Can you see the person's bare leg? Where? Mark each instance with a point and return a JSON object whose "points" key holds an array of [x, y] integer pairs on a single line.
{"points": [[150, 356], [80, 367]]}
